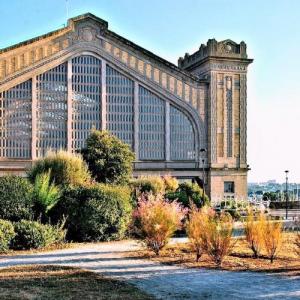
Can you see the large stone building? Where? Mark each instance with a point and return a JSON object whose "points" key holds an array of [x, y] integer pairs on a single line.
{"points": [[188, 121]]}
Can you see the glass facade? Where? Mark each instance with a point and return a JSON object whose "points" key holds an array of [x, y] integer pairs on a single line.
{"points": [[15, 122], [84, 81], [151, 126], [52, 110], [86, 98], [119, 105], [182, 136]]}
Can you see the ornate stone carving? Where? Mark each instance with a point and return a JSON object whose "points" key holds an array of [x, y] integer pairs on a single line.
{"points": [[85, 34]]}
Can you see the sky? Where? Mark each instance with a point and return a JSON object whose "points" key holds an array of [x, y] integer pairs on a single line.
{"points": [[170, 28]]}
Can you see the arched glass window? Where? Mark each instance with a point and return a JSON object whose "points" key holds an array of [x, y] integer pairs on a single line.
{"points": [[86, 102], [52, 110], [182, 136], [151, 126], [15, 121], [119, 105]]}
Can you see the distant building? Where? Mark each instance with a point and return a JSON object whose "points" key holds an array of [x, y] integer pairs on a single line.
{"points": [[55, 88]]}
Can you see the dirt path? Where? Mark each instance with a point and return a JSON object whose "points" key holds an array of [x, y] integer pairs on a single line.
{"points": [[163, 281]]}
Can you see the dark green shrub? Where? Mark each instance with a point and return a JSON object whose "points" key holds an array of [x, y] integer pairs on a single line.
{"points": [[65, 168], [15, 198], [34, 235], [96, 212], [108, 158], [189, 192], [7, 233]]}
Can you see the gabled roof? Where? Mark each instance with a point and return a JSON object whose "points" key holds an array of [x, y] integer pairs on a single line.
{"points": [[104, 24]]}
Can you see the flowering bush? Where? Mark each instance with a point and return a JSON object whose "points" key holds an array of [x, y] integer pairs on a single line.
{"points": [[196, 228], [254, 231], [156, 220]]}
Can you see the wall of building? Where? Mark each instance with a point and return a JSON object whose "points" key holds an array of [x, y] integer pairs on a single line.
{"points": [[205, 96]]}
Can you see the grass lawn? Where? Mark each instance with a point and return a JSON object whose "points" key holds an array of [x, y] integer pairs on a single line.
{"points": [[60, 283], [240, 259]]}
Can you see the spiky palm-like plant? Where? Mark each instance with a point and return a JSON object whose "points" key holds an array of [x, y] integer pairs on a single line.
{"points": [[46, 194]]}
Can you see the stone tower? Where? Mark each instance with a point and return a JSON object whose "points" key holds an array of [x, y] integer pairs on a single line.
{"points": [[224, 64]]}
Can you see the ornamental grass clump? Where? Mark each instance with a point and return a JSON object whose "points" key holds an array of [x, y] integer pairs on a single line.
{"points": [[156, 219], [272, 238], [218, 237], [254, 232], [196, 228], [66, 168]]}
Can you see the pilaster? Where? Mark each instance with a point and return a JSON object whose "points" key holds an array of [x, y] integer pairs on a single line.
{"points": [[103, 96], [136, 120], [167, 130], [33, 118], [69, 107]]}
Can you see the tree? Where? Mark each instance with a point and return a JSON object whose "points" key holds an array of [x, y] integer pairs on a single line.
{"points": [[188, 193], [108, 158], [270, 196]]}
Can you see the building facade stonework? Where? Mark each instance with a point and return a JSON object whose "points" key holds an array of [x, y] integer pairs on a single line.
{"points": [[54, 89]]}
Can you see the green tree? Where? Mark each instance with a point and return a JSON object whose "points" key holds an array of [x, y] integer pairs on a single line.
{"points": [[188, 193], [108, 158], [270, 196]]}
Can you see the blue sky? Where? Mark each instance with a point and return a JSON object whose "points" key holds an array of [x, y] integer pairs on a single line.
{"points": [[168, 28]]}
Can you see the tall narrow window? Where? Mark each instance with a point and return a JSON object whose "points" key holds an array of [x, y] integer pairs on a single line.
{"points": [[52, 110], [86, 100], [151, 126], [119, 105], [182, 136], [229, 115], [15, 122]]}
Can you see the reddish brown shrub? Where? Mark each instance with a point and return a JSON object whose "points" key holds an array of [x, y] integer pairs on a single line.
{"points": [[156, 220]]}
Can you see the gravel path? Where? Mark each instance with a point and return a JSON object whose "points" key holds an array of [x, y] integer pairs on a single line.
{"points": [[162, 281]]}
